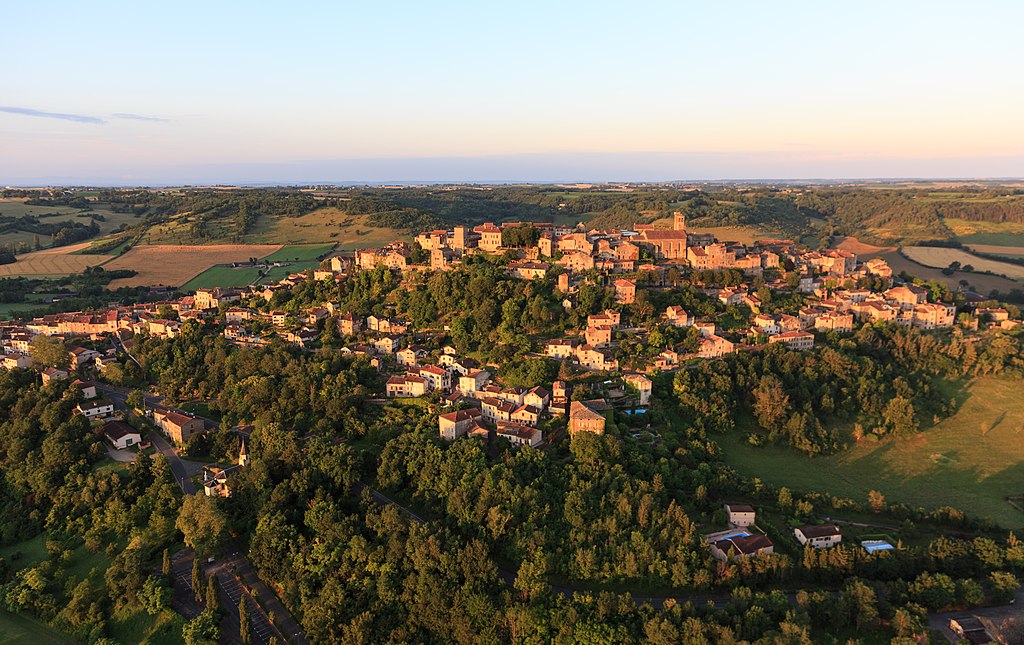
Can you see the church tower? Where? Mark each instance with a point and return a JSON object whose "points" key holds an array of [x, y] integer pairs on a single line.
{"points": [[679, 221], [243, 455]]}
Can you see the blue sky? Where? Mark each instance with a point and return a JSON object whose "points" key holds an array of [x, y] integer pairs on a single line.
{"points": [[132, 92]]}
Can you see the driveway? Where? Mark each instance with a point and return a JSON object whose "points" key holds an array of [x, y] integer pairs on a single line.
{"points": [[123, 456]]}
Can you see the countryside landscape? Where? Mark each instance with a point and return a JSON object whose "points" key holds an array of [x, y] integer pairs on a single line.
{"points": [[500, 320], [528, 323]]}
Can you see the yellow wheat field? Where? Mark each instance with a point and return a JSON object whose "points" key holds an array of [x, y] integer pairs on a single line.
{"points": [[54, 261], [174, 265], [931, 256]]}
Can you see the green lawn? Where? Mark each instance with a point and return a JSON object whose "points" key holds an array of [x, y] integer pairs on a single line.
{"points": [[18, 629], [222, 276], [299, 257], [31, 552], [140, 627], [132, 627], [974, 460], [34, 301], [300, 252], [996, 239]]}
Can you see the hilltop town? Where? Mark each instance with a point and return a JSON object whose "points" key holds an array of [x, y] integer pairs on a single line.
{"points": [[527, 338]]}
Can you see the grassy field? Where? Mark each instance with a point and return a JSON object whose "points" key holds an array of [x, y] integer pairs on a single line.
{"points": [[938, 257], [324, 225], [10, 309], [996, 233], [25, 630], [300, 253], [973, 460], [299, 257], [55, 214], [176, 265], [222, 276]]}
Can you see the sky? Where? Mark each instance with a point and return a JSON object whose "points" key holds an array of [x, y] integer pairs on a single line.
{"points": [[145, 93]]}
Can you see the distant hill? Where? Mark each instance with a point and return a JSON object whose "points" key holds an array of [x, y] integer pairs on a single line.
{"points": [[115, 219]]}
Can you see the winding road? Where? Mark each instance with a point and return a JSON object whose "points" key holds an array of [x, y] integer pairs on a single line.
{"points": [[183, 469]]}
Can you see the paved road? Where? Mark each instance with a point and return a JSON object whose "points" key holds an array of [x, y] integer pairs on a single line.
{"points": [[183, 469]]}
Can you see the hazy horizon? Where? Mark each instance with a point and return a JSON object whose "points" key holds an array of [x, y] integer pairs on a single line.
{"points": [[536, 169]]}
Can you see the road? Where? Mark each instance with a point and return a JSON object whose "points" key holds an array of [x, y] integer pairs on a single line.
{"points": [[231, 570], [183, 469]]}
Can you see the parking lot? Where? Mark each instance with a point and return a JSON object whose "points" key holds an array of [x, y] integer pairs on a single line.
{"points": [[231, 593]]}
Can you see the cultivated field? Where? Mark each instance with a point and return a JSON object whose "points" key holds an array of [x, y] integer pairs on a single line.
{"points": [[744, 234], [49, 262], [974, 460], [1012, 251], [176, 265], [941, 257], [853, 245], [980, 282]]}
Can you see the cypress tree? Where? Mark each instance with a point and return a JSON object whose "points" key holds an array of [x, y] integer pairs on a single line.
{"points": [[212, 599], [243, 620], [166, 569], [197, 578]]}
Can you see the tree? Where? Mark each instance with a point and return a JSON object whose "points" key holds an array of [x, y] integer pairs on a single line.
{"points": [[900, 417], [204, 629], [202, 523], [245, 626], [155, 595], [197, 578], [530, 580], [771, 403], [166, 566], [857, 602], [876, 501], [48, 351], [1004, 586], [212, 595]]}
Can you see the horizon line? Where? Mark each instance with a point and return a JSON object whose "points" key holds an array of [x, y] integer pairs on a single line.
{"points": [[515, 182]]}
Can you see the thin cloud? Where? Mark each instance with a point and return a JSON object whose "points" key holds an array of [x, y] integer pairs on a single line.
{"points": [[78, 118], [138, 117]]}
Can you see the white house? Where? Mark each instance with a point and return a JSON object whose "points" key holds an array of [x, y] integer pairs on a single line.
{"points": [[741, 515], [121, 435], [818, 536], [96, 409]]}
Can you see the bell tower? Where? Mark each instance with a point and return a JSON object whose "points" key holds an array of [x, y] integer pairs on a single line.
{"points": [[678, 221], [243, 455]]}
